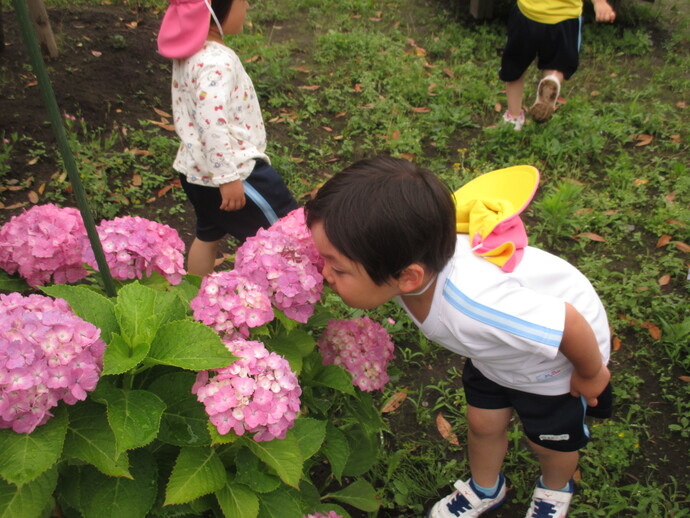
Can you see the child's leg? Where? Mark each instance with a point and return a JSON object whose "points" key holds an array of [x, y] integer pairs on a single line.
{"points": [[557, 467], [556, 73], [202, 256], [487, 443], [514, 91]]}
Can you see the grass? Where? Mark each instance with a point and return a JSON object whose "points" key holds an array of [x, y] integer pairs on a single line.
{"points": [[344, 79]]}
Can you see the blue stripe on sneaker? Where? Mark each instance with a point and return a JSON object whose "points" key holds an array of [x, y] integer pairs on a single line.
{"points": [[500, 320], [261, 202]]}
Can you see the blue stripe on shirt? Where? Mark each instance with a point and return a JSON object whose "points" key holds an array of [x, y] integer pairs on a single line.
{"points": [[500, 320]]}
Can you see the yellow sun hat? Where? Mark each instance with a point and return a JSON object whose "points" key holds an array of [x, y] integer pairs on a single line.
{"points": [[488, 209]]}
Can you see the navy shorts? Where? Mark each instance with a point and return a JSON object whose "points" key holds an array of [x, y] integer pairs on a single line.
{"points": [[268, 199], [557, 46], [554, 422]]}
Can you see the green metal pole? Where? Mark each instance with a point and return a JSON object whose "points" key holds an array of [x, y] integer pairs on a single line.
{"points": [[46, 88]]}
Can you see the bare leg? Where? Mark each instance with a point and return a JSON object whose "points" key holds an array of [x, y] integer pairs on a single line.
{"points": [[557, 467], [202, 257], [487, 442], [514, 91]]}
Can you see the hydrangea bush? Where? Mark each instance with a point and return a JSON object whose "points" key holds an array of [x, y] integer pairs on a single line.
{"points": [[208, 395]]}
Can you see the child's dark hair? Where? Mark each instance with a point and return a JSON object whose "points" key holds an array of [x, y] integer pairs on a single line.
{"points": [[221, 8], [386, 214]]}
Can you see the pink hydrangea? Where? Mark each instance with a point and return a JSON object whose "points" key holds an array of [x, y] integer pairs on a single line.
{"points": [[258, 393], [231, 303], [331, 514], [47, 355], [135, 247], [284, 264], [294, 225], [43, 242], [362, 347]]}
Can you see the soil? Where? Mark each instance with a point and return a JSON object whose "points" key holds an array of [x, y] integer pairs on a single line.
{"points": [[109, 72]]}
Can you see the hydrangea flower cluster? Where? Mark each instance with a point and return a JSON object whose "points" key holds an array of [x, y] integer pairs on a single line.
{"points": [[362, 347], [43, 242], [134, 245], [294, 225], [47, 354], [286, 266], [231, 304], [331, 514], [258, 393]]}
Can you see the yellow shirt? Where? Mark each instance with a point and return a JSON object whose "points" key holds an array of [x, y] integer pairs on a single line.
{"points": [[550, 11]]}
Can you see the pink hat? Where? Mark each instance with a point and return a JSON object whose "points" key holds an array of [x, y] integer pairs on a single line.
{"points": [[184, 28]]}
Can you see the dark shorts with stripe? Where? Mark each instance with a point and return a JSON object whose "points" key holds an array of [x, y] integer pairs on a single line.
{"points": [[557, 46], [554, 422], [268, 199]]}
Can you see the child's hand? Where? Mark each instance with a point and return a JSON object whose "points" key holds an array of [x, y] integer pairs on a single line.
{"points": [[590, 388], [603, 11], [233, 196]]}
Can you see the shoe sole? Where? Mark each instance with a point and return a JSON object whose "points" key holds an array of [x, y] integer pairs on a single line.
{"points": [[543, 109]]}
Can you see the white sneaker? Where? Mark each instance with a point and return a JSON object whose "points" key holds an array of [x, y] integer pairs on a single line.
{"points": [[547, 94], [518, 122], [547, 503], [465, 503]]}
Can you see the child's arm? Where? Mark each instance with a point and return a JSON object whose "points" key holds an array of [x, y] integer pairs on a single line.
{"points": [[580, 346], [603, 11]]}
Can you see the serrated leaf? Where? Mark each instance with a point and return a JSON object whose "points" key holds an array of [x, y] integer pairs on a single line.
{"points": [[189, 345], [359, 494], [89, 438], [197, 472], [363, 452], [118, 497], [335, 377], [12, 283], [337, 450], [25, 456], [310, 434], [89, 305], [134, 415], [184, 421], [281, 503], [283, 455], [252, 473], [28, 500], [238, 501], [120, 356], [141, 311]]}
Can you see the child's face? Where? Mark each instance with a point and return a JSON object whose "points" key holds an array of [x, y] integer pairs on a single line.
{"points": [[234, 21], [348, 278]]}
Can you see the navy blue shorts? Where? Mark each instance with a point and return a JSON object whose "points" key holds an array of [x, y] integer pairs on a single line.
{"points": [[557, 46], [554, 422], [268, 199]]}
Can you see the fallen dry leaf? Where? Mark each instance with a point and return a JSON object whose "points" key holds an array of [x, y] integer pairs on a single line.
{"points": [[682, 246], [676, 222], [33, 197], [97, 53], [303, 69], [136, 180], [643, 140], [252, 59], [309, 87], [681, 104], [686, 379], [640, 181], [168, 127], [664, 280], [394, 402], [592, 236], [132, 25], [420, 109], [15, 205], [675, 138], [326, 128], [498, 107], [407, 156], [41, 188], [448, 72], [33, 161], [446, 430], [594, 93], [616, 343], [663, 241], [162, 113]]}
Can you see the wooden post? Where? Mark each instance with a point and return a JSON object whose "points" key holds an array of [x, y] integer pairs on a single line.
{"points": [[41, 22], [482, 8]]}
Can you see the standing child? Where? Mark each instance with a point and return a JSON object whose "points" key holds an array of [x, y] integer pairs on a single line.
{"points": [[531, 326], [222, 162], [550, 30]]}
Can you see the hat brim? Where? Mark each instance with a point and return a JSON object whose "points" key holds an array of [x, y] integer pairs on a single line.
{"points": [[184, 29]]}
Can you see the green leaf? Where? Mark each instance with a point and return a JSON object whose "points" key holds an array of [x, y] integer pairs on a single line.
{"points": [[310, 434], [337, 450], [184, 421], [187, 289], [12, 283], [190, 345], [281, 503], [134, 415], [25, 456], [252, 473], [197, 472], [237, 501], [28, 500], [120, 356], [335, 377], [294, 346], [89, 438], [363, 452], [89, 305], [286, 322], [141, 311], [283, 455], [359, 494], [119, 497]]}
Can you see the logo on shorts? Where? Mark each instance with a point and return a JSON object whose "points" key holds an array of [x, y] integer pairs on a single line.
{"points": [[561, 437]]}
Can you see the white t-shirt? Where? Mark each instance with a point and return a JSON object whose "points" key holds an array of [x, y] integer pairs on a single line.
{"points": [[217, 117], [511, 324]]}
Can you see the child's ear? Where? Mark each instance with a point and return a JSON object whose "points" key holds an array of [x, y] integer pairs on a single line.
{"points": [[411, 278]]}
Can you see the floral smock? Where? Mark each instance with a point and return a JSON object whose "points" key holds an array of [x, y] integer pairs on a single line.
{"points": [[217, 117]]}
